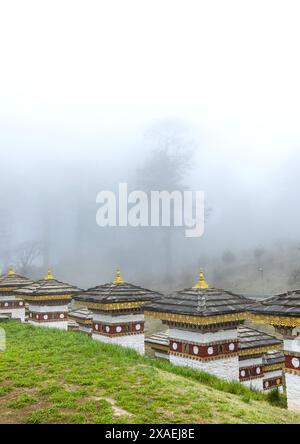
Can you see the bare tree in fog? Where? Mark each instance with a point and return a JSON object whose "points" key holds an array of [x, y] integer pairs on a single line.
{"points": [[169, 162], [171, 156], [25, 254]]}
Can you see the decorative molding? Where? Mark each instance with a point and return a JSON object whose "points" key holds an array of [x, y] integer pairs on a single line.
{"points": [[259, 350], [81, 321], [12, 303], [270, 383], [197, 320], [117, 335], [251, 372], [202, 359], [12, 288], [292, 364], [122, 329], [39, 317], [292, 372], [282, 321], [111, 306], [160, 347], [271, 367], [30, 298]]}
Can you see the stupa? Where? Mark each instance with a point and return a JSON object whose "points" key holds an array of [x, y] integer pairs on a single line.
{"points": [[10, 303], [48, 301], [118, 312], [257, 370], [283, 312], [203, 327]]}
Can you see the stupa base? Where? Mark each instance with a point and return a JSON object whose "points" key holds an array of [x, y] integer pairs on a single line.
{"points": [[227, 368], [136, 342]]}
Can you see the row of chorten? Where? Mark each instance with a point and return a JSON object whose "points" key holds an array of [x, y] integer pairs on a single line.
{"points": [[203, 322]]}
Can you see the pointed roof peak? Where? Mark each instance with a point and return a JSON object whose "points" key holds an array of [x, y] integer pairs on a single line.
{"points": [[118, 279], [49, 275], [202, 284], [13, 280], [11, 271]]}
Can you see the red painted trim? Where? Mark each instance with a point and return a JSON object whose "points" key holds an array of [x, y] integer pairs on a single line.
{"points": [[272, 382], [250, 372], [204, 350], [291, 362], [121, 329], [52, 316], [11, 304]]}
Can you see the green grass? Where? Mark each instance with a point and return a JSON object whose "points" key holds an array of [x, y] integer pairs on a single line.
{"points": [[51, 376], [21, 401]]}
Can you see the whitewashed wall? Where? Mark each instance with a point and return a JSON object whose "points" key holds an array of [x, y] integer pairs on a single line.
{"points": [[47, 308], [16, 313], [135, 342], [61, 325], [203, 338], [293, 391], [227, 369], [254, 384]]}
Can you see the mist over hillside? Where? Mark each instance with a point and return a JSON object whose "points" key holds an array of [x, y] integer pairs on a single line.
{"points": [[209, 105], [48, 211]]}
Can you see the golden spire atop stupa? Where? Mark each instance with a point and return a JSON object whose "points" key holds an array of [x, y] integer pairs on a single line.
{"points": [[11, 271], [118, 279], [202, 282], [49, 275]]}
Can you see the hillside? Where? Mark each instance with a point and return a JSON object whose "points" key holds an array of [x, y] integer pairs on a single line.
{"points": [[49, 376]]}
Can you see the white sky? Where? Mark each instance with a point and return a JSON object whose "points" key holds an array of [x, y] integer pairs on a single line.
{"points": [[230, 67]]}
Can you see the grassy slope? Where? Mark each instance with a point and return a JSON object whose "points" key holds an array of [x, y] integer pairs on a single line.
{"points": [[51, 376]]}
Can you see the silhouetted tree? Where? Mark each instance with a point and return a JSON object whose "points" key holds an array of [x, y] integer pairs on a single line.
{"points": [[25, 254], [170, 160]]}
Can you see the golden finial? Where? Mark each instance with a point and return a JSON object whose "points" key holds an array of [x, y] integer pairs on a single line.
{"points": [[118, 279], [11, 271], [202, 282], [49, 275]]}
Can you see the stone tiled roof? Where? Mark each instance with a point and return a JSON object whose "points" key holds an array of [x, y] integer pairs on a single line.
{"points": [[252, 338], [201, 302], [158, 339], [72, 325], [117, 291], [48, 287], [12, 281], [273, 357], [286, 304], [109, 293], [81, 313]]}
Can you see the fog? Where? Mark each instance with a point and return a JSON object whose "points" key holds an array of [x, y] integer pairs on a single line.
{"points": [[90, 94]]}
